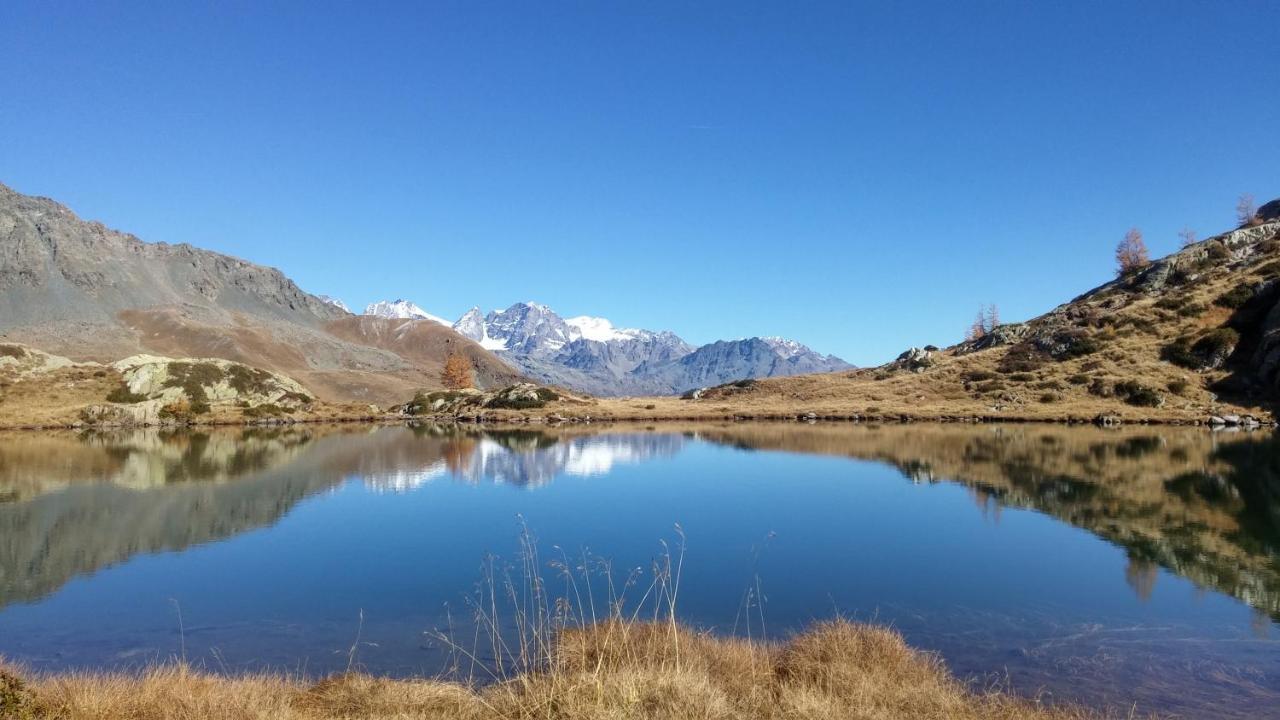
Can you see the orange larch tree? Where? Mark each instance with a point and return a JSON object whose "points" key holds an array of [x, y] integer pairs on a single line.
{"points": [[1131, 253], [456, 374]]}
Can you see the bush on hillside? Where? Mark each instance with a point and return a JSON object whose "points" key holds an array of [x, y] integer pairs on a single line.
{"points": [[1235, 298], [1135, 393], [124, 395]]}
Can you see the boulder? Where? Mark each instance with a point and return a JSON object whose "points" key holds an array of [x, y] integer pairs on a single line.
{"points": [[915, 360]]}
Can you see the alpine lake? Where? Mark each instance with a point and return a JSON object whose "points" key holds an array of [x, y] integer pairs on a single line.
{"points": [[1119, 568]]}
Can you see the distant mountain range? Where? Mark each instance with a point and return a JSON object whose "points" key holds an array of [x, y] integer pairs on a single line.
{"points": [[590, 354], [78, 289]]}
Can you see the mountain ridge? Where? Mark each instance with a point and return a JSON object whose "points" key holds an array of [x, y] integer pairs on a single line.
{"points": [[78, 289], [590, 354]]}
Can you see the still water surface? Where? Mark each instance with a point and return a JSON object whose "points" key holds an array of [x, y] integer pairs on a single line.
{"points": [[1111, 567]]}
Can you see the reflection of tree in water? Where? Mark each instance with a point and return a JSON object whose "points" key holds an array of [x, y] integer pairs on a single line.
{"points": [[1141, 573]]}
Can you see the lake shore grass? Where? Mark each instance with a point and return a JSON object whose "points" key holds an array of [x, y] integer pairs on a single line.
{"points": [[610, 670]]}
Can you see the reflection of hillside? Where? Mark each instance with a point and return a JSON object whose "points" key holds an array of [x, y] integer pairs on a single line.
{"points": [[96, 500], [1204, 505], [71, 504]]}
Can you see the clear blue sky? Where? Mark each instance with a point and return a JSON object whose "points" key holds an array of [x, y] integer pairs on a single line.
{"points": [[858, 176]]}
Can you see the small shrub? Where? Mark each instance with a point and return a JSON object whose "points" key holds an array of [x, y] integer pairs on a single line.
{"points": [[179, 411], [1179, 353], [1090, 365], [16, 699], [1100, 388], [124, 395], [977, 375], [1078, 379], [1270, 270], [1178, 387], [1172, 302], [264, 410], [1235, 298], [246, 380], [1210, 351], [990, 386], [1217, 343], [1191, 310], [1135, 393], [1022, 377], [1048, 398]]}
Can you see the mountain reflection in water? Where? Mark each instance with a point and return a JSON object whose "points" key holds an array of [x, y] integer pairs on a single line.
{"points": [[1203, 505]]}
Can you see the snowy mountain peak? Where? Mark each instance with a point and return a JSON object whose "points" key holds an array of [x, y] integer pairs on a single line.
{"points": [[402, 309], [784, 347], [334, 302], [599, 329], [472, 325]]}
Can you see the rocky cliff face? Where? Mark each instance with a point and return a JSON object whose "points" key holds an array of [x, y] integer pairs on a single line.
{"points": [[78, 289], [57, 267]]}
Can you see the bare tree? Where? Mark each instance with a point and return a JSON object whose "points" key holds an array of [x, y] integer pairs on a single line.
{"points": [[978, 329], [456, 374], [987, 319], [992, 317], [1131, 253], [1246, 210], [1188, 236]]}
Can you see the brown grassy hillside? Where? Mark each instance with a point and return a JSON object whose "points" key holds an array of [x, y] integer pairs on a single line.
{"points": [[1191, 335]]}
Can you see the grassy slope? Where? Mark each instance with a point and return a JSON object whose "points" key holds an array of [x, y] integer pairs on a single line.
{"points": [[1128, 325], [613, 670]]}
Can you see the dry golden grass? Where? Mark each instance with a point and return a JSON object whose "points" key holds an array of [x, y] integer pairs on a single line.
{"points": [[611, 671]]}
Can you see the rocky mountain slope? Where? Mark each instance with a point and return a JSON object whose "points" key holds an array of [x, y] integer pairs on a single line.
{"points": [[591, 355], [1195, 334], [78, 289], [1192, 337]]}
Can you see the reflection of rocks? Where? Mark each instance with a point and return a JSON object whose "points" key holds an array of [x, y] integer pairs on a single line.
{"points": [[1203, 505], [78, 503]]}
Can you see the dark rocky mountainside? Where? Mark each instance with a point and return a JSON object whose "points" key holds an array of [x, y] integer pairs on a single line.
{"points": [[79, 289], [55, 267]]}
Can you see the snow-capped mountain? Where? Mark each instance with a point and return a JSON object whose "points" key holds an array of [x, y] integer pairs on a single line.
{"points": [[590, 354], [335, 302], [402, 309]]}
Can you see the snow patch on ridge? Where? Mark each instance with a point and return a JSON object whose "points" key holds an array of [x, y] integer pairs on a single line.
{"points": [[599, 329], [402, 309]]}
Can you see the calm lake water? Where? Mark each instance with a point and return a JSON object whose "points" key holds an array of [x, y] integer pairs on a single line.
{"points": [[1112, 567]]}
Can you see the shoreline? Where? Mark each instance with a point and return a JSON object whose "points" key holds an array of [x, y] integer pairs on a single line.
{"points": [[613, 668], [555, 420]]}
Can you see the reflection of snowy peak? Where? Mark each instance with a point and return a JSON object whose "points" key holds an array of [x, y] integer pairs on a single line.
{"points": [[528, 460], [590, 354]]}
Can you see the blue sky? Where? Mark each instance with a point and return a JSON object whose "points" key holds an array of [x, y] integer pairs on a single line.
{"points": [[858, 176]]}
